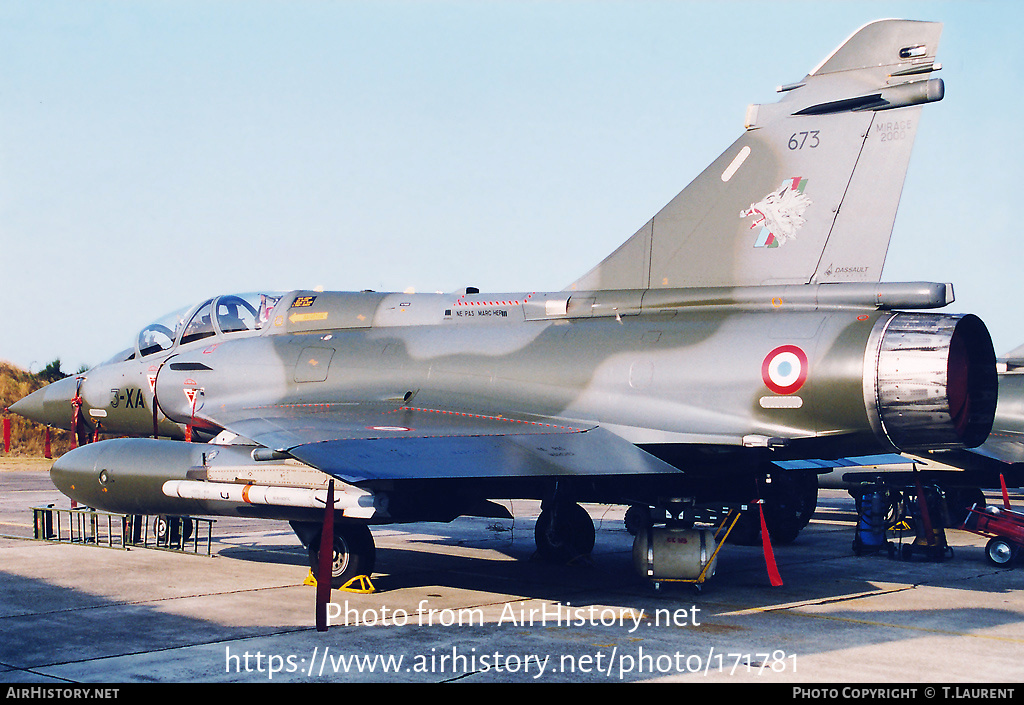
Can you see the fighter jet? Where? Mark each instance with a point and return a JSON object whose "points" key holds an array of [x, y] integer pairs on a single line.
{"points": [[1006, 441], [742, 325]]}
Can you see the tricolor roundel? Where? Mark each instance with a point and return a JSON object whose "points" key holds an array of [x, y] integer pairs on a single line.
{"points": [[784, 369]]}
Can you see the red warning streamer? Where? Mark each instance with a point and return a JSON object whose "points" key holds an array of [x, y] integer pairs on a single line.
{"points": [[323, 577], [769, 555], [76, 411]]}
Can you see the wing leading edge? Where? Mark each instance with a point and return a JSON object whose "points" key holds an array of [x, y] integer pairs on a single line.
{"points": [[284, 427], [360, 442], [591, 452]]}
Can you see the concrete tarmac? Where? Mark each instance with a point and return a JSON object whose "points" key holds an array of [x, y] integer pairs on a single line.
{"points": [[467, 602]]}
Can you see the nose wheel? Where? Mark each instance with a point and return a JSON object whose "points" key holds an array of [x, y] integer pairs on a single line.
{"points": [[172, 530], [354, 553]]}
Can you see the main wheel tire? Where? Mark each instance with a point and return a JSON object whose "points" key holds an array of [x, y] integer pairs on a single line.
{"points": [[962, 500], [747, 531], [564, 534], [790, 502], [354, 553], [637, 518]]}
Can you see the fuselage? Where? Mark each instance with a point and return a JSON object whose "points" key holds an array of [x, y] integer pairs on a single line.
{"points": [[776, 371]]}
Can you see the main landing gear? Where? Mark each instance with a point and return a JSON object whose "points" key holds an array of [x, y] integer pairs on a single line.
{"points": [[354, 551], [564, 532], [790, 499]]}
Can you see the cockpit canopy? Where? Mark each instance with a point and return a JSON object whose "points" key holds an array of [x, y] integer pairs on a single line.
{"points": [[224, 315]]}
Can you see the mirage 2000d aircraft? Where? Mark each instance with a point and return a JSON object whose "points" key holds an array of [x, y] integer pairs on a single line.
{"points": [[742, 325]]}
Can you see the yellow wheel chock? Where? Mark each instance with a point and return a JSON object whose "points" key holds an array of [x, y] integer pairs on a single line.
{"points": [[359, 584], [365, 586]]}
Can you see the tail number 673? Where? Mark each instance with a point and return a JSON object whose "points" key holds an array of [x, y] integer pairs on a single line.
{"points": [[809, 139]]}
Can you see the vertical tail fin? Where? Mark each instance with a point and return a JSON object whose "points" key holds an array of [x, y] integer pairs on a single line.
{"points": [[809, 192]]}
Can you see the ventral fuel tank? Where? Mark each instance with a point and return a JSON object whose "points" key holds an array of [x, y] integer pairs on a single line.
{"points": [[663, 553]]}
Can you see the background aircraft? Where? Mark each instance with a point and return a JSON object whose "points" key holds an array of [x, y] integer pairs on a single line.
{"points": [[740, 326]]}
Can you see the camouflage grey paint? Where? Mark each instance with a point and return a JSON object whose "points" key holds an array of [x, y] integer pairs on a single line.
{"points": [[117, 396], [683, 374], [496, 395]]}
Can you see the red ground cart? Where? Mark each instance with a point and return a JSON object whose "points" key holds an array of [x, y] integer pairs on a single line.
{"points": [[1003, 525]]}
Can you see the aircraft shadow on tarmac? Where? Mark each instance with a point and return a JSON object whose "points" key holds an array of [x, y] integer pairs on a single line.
{"points": [[495, 555], [80, 636], [51, 630]]}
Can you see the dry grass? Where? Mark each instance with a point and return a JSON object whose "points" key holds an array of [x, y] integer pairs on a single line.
{"points": [[27, 438]]}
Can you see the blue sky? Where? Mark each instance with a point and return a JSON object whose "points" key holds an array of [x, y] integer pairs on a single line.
{"points": [[155, 153]]}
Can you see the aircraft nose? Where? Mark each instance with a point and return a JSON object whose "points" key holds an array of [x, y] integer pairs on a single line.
{"points": [[31, 407], [50, 405]]}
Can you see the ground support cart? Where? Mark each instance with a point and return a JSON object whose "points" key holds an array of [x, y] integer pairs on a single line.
{"points": [[885, 514], [673, 554], [1003, 526]]}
